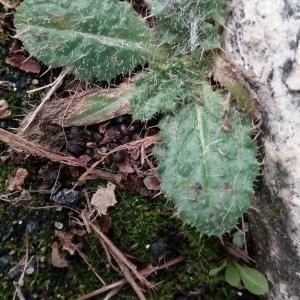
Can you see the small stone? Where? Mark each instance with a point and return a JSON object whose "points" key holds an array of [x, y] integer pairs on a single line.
{"points": [[157, 252], [65, 197], [75, 148], [58, 225], [3, 125], [30, 271], [35, 81], [91, 145], [103, 149], [5, 262]]}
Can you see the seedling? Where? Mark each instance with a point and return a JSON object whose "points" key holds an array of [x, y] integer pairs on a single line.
{"points": [[235, 274]]}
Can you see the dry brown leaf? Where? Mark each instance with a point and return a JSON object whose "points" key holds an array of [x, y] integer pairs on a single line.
{"points": [[15, 182], [24, 63], [57, 258], [5, 113], [66, 241], [152, 183], [123, 161], [104, 198]]}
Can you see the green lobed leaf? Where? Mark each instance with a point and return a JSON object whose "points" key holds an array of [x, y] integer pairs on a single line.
{"points": [[254, 281], [207, 171], [91, 38], [99, 109], [232, 275], [164, 89], [190, 24]]}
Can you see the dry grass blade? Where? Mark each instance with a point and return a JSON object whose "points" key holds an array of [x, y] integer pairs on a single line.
{"points": [[100, 174], [20, 143], [146, 272], [116, 252], [55, 86]]}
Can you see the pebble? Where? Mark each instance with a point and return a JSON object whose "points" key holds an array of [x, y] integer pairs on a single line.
{"points": [[58, 225], [65, 197], [35, 81], [5, 262], [30, 271]]}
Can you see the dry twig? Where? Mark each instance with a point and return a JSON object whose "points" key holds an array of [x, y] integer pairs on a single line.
{"points": [[20, 143], [55, 86], [118, 284], [145, 142]]}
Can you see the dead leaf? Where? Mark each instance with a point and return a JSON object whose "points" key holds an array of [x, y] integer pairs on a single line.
{"points": [[66, 241], [77, 231], [123, 161], [152, 183], [57, 258], [104, 198], [4, 112], [15, 182], [227, 125], [24, 63]]}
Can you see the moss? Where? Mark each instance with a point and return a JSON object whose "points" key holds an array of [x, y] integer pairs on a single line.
{"points": [[136, 222]]}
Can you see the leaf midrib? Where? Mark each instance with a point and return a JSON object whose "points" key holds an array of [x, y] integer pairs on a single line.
{"points": [[104, 40]]}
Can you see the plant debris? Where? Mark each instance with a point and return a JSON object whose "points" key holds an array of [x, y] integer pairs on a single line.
{"points": [[24, 63], [104, 198], [57, 258], [17, 181]]}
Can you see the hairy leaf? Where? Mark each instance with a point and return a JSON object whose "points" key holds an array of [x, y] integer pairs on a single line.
{"points": [[207, 171], [91, 38], [164, 89], [99, 109], [189, 24]]}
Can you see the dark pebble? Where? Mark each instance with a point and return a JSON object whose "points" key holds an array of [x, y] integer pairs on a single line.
{"points": [[14, 273], [8, 233], [65, 196], [157, 252], [75, 148], [32, 226], [3, 125], [5, 262]]}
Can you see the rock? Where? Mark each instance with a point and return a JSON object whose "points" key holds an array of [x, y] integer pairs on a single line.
{"points": [[58, 225], [5, 262], [66, 197], [262, 42], [157, 252]]}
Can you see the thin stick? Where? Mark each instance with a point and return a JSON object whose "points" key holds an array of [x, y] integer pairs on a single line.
{"points": [[118, 284], [101, 174], [18, 142], [112, 293], [131, 281], [116, 252], [55, 86], [9, 6]]}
